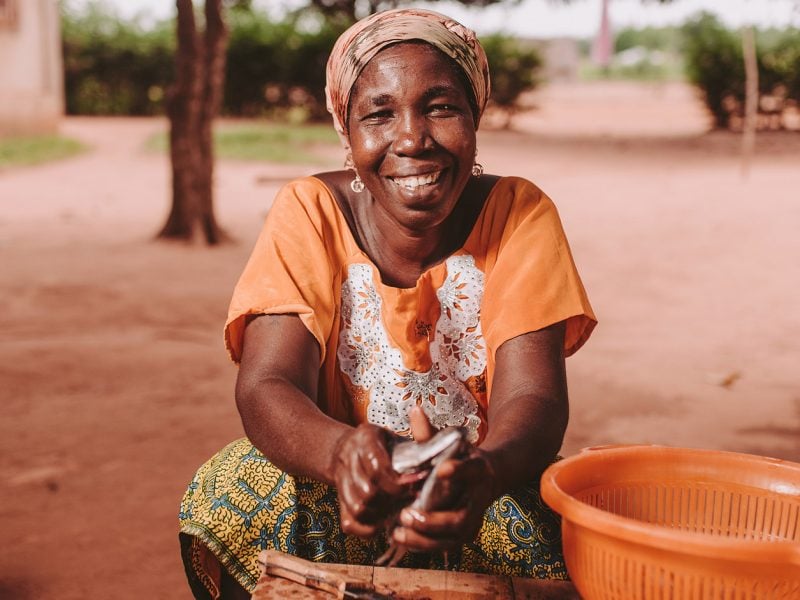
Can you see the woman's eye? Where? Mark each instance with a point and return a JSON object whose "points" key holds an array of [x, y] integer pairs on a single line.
{"points": [[444, 109], [378, 115]]}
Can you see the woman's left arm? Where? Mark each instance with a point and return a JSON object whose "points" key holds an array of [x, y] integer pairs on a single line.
{"points": [[528, 413], [528, 410]]}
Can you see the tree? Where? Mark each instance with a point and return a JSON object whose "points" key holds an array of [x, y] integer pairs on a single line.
{"points": [[350, 10], [192, 103]]}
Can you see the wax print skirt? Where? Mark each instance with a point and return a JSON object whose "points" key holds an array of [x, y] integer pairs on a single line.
{"points": [[239, 504]]}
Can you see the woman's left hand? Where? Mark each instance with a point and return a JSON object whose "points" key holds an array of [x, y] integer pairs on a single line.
{"points": [[466, 490]]}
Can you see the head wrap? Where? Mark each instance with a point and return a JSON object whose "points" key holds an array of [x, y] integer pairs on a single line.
{"points": [[361, 42]]}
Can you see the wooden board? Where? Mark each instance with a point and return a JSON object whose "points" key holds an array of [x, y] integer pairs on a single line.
{"points": [[418, 584], [439, 585]]}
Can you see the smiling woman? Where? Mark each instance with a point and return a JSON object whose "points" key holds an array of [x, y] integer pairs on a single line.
{"points": [[405, 294]]}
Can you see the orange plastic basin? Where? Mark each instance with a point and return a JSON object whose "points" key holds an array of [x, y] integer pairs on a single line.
{"points": [[654, 522]]}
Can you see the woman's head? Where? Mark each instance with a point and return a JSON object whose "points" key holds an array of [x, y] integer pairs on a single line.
{"points": [[363, 41], [406, 89]]}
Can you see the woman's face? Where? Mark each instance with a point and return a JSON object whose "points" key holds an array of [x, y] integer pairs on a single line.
{"points": [[412, 134]]}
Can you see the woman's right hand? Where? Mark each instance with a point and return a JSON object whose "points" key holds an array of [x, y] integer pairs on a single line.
{"points": [[369, 489]]}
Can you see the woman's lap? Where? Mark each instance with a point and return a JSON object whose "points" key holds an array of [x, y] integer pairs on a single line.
{"points": [[239, 504]]}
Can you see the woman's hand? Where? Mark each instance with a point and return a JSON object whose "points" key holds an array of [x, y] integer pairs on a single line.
{"points": [[465, 490], [527, 417], [369, 490]]}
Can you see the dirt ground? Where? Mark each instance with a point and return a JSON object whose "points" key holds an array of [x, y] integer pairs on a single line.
{"points": [[115, 385]]}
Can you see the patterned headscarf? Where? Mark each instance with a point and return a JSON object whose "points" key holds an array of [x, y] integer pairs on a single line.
{"points": [[359, 44]]}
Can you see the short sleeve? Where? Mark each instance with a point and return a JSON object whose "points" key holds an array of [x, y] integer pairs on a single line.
{"points": [[289, 270], [533, 282]]}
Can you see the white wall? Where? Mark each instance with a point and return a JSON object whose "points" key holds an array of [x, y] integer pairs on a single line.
{"points": [[31, 72]]}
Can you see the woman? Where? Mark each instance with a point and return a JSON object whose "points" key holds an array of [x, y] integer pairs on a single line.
{"points": [[407, 293]]}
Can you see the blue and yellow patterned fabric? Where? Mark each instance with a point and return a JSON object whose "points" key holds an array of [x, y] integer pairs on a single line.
{"points": [[239, 504]]}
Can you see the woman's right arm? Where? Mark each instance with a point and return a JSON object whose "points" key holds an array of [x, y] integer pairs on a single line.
{"points": [[276, 395]]}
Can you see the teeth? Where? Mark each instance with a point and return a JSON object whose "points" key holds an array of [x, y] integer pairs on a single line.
{"points": [[412, 183]]}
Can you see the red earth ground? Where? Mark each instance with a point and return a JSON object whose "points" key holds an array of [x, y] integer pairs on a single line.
{"points": [[115, 385]]}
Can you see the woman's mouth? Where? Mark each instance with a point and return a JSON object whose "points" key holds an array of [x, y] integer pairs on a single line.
{"points": [[415, 182]]}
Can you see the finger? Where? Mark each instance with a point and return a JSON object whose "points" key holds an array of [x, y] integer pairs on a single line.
{"points": [[376, 466], [352, 526], [413, 540], [421, 428], [464, 471], [436, 524], [357, 492]]}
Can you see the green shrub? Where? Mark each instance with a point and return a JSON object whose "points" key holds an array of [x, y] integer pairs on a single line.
{"points": [[277, 65], [114, 67], [514, 68], [779, 66], [714, 60], [117, 67], [665, 39], [714, 63]]}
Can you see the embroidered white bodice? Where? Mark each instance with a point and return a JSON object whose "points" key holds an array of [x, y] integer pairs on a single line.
{"points": [[457, 349]]}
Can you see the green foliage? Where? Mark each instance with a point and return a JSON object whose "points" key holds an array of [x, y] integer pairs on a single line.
{"points": [[514, 68], [714, 61], [33, 150], [114, 67], [271, 142], [276, 66], [664, 39], [779, 63]]}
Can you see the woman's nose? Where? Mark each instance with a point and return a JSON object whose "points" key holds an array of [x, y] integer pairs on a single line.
{"points": [[412, 135]]}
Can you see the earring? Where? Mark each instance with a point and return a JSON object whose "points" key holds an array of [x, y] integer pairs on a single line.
{"points": [[357, 185], [477, 168]]}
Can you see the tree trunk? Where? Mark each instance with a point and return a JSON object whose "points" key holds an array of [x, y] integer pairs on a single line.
{"points": [[751, 97], [216, 38], [192, 103]]}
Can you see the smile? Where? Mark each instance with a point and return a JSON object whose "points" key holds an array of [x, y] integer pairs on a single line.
{"points": [[417, 181]]}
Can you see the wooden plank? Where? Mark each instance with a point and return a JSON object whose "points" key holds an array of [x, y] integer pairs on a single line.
{"points": [[412, 583], [419, 584], [543, 589], [440, 585], [269, 588], [474, 586]]}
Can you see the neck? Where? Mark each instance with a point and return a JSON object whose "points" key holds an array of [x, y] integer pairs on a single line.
{"points": [[401, 253]]}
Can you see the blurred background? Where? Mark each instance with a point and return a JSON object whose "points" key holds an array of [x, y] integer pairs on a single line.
{"points": [[141, 147]]}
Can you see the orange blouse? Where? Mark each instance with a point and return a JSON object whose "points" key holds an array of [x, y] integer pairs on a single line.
{"points": [[384, 349]]}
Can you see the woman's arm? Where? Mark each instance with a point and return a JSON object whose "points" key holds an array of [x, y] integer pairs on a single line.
{"points": [[528, 412], [276, 395], [529, 409]]}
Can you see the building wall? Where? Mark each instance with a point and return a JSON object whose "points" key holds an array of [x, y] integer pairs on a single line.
{"points": [[31, 70]]}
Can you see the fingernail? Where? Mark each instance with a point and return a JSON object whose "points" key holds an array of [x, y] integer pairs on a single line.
{"points": [[409, 515]]}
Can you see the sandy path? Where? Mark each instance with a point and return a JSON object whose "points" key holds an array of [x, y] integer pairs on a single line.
{"points": [[116, 386]]}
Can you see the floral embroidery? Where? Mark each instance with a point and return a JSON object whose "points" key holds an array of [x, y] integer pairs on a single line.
{"points": [[457, 351]]}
